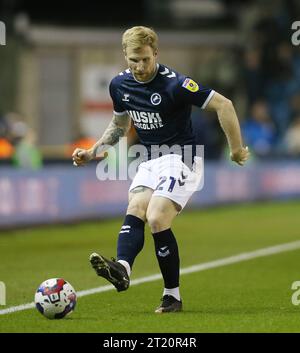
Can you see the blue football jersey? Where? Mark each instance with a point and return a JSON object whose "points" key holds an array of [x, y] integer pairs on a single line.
{"points": [[160, 108]]}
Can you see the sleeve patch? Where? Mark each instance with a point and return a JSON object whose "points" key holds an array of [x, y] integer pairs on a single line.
{"points": [[190, 85]]}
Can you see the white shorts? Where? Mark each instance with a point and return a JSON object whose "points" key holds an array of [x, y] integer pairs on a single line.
{"points": [[169, 177]]}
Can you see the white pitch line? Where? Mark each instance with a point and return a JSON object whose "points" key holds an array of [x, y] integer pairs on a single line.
{"points": [[196, 268]]}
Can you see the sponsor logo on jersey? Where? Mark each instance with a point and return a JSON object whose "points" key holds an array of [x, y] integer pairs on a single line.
{"points": [[155, 98], [146, 120], [190, 85]]}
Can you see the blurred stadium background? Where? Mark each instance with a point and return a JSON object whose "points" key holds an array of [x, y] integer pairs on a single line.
{"points": [[55, 69], [54, 74]]}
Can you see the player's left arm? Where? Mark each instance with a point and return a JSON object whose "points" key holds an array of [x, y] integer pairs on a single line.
{"points": [[230, 125]]}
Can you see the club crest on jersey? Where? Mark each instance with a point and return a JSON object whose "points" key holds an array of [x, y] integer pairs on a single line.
{"points": [[155, 98], [190, 85]]}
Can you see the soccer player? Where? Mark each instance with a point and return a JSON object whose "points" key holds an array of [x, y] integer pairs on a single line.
{"points": [[158, 100]]}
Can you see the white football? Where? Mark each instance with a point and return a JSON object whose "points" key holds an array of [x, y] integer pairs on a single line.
{"points": [[55, 298]]}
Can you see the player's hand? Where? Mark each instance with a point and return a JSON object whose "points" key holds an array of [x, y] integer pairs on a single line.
{"points": [[81, 156], [240, 156]]}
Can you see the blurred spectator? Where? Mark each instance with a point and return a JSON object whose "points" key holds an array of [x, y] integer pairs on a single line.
{"points": [[207, 133], [292, 138], [282, 86], [259, 131], [17, 128], [253, 75], [295, 105], [6, 148], [272, 69], [27, 155]]}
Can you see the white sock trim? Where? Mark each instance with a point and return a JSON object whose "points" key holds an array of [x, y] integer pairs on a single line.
{"points": [[126, 265], [172, 291]]}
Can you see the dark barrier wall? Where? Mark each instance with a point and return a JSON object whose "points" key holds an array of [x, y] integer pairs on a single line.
{"points": [[254, 182], [63, 194], [58, 194]]}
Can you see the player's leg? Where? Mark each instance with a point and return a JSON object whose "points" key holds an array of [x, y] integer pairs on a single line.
{"points": [[131, 235], [176, 184], [130, 241], [160, 214]]}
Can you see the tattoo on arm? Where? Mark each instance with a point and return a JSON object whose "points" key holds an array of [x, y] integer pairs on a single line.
{"points": [[112, 134], [117, 128]]}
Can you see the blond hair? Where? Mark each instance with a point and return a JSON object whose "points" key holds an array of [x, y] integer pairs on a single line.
{"points": [[139, 36]]}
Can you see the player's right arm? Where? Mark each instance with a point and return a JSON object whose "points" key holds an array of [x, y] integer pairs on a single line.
{"points": [[118, 127], [190, 92], [231, 127]]}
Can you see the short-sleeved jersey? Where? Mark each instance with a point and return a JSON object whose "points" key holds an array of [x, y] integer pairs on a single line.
{"points": [[160, 108]]}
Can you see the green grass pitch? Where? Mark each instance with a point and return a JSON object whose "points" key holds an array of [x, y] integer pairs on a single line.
{"points": [[248, 296]]}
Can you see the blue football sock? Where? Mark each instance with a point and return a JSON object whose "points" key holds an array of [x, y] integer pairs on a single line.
{"points": [[131, 239], [168, 257]]}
